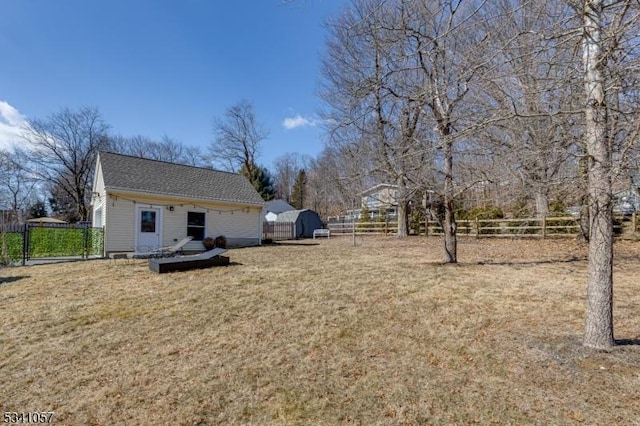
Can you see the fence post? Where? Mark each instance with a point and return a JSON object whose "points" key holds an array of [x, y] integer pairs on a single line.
{"points": [[544, 227], [477, 228], [634, 218], [353, 230], [85, 242], [5, 251], [25, 244]]}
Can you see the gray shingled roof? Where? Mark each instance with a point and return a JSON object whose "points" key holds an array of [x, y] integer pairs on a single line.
{"points": [[278, 206], [125, 173]]}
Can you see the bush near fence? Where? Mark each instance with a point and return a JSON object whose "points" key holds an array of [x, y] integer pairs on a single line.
{"points": [[377, 227]]}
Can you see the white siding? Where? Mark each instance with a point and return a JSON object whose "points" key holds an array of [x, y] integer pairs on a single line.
{"points": [[98, 202], [119, 222], [175, 225], [98, 197], [241, 225]]}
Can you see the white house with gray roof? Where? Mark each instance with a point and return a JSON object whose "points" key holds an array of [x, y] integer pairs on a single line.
{"points": [[144, 204]]}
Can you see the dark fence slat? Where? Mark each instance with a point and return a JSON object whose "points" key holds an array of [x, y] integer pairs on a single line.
{"points": [[278, 231]]}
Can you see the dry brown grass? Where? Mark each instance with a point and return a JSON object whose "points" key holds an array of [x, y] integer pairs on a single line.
{"points": [[381, 333]]}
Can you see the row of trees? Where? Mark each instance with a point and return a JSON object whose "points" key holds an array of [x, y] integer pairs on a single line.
{"points": [[535, 98], [53, 165], [57, 155]]}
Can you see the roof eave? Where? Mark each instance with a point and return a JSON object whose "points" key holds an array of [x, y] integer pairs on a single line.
{"points": [[126, 191]]}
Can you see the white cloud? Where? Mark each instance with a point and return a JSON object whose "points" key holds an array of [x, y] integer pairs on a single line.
{"points": [[11, 124], [290, 123]]}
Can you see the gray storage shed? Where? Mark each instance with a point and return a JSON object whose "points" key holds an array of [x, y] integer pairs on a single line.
{"points": [[305, 221]]}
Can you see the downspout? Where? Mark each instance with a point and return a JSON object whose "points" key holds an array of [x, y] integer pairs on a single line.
{"points": [[105, 224], [260, 226]]}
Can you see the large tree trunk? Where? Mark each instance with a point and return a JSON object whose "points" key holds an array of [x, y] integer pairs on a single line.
{"points": [[450, 227], [542, 203], [403, 227], [81, 209], [403, 204], [599, 306]]}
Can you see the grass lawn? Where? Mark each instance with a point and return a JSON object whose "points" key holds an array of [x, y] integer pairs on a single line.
{"points": [[321, 332]]}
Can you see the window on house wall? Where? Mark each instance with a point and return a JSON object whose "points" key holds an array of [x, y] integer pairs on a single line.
{"points": [[147, 221], [195, 225]]}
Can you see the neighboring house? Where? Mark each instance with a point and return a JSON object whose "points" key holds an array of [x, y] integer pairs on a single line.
{"points": [[381, 199], [274, 208], [630, 195], [145, 204], [41, 220], [305, 221]]}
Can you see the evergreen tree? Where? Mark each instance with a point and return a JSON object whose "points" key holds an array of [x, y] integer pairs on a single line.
{"points": [[261, 180], [36, 210], [299, 190]]}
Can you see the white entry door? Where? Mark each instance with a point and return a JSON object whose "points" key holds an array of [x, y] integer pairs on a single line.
{"points": [[149, 229]]}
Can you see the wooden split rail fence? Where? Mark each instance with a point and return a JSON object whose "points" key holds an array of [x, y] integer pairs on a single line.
{"points": [[528, 227]]}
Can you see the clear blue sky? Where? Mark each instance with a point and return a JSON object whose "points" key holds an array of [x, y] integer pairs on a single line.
{"points": [[156, 67]]}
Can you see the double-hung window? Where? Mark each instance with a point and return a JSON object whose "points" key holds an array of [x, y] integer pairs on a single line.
{"points": [[195, 225]]}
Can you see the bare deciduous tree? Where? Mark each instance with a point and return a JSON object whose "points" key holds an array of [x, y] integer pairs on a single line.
{"points": [[17, 185], [166, 149], [609, 50], [374, 112], [237, 139], [450, 47], [532, 86], [286, 168], [335, 183], [63, 149]]}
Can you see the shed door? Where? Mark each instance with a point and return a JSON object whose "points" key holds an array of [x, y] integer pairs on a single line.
{"points": [[149, 227]]}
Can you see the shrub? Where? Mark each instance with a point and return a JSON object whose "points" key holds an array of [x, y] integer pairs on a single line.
{"points": [[418, 216], [553, 224], [488, 212], [480, 213], [365, 215], [221, 241], [365, 218], [558, 208], [461, 214], [208, 243], [521, 209]]}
